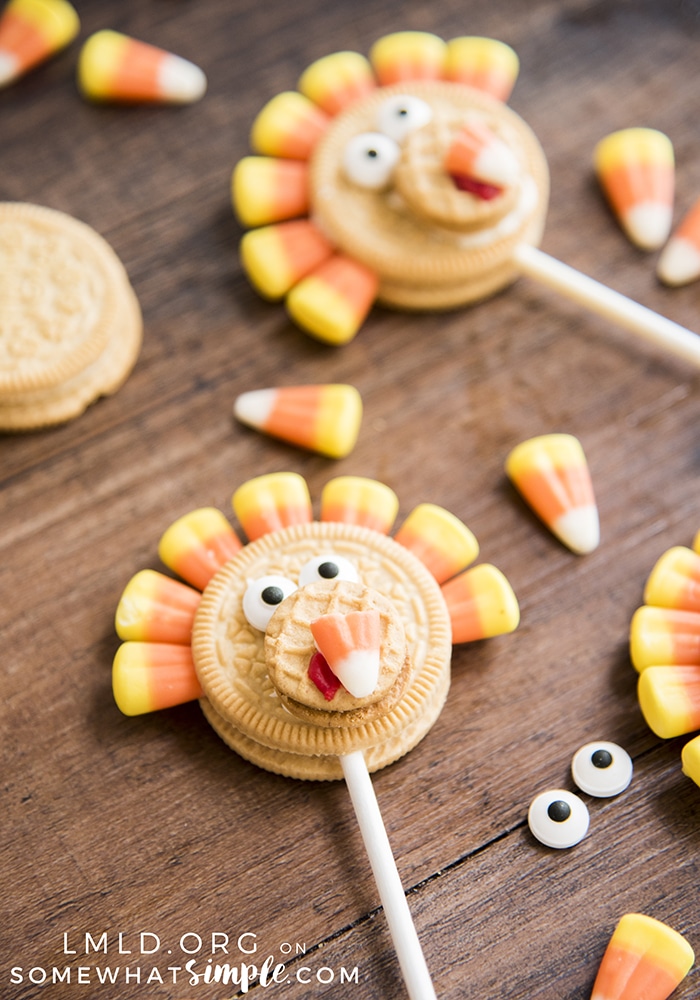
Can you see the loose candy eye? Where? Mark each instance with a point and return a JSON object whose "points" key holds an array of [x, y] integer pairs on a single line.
{"points": [[328, 566], [557, 818], [369, 160], [262, 596], [401, 114], [602, 769]]}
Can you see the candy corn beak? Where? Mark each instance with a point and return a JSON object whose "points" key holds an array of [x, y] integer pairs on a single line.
{"points": [[478, 156], [350, 646]]}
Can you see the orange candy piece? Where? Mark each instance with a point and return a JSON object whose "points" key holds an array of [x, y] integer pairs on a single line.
{"points": [[323, 418], [265, 189], [635, 167], [481, 604], [552, 475], [276, 257], [664, 636], [332, 302], [289, 126], [440, 540], [336, 81], [354, 500], [679, 261], [350, 645], [484, 63], [115, 67], [32, 31], [408, 55], [645, 960], [155, 608], [148, 676], [198, 544], [269, 503]]}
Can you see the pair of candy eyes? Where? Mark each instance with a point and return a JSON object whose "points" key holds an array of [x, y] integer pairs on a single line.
{"points": [[369, 158], [560, 819], [263, 595]]}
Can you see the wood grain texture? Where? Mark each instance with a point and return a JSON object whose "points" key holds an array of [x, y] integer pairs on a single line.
{"points": [[122, 826]]}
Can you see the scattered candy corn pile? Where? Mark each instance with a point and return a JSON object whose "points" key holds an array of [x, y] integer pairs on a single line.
{"points": [[665, 650]]}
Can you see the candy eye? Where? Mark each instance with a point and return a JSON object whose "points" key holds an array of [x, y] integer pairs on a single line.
{"points": [[602, 769], [558, 818], [402, 114], [369, 160], [328, 566], [262, 596]]}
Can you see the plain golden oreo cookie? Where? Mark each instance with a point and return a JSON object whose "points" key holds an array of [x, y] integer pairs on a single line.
{"points": [[70, 322]]}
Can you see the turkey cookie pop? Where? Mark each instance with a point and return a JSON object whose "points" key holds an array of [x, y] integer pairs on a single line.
{"points": [[405, 179], [320, 649]]}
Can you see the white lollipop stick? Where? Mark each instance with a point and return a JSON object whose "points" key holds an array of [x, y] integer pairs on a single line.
{"points": [[401, 926], [600, 299]]}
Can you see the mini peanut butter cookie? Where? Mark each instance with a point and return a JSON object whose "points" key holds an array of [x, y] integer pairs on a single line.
{"points": [[316, 638], [290, 653], [418, 183], [70, 323]]}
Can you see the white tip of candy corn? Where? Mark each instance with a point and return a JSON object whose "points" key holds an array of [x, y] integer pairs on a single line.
{"points": [[649, 224], [254, 408], [679, 263], [181, 81], [579, 529]]}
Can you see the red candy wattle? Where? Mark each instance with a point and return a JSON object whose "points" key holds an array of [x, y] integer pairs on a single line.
{"points": [[323, 677], [478, 188]]}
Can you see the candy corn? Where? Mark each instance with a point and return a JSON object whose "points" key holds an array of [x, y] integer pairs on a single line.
{"points": [[337, 80], [483, 63], [276, 257], [481, 604], [696, 543], [147, 676], [670, 699], [552, 475], [674, 582], [32, 31], [635, 168], [440, 540], [408, 55], [154, 608], [645, 960], [354, 500], [690, 759], [477, 153], [198, 544], [115, 67], [350, 645], [323, 418], [333, 301], [289, 126], [679, 261], [264, 190], [664, 636], [268, 503]]}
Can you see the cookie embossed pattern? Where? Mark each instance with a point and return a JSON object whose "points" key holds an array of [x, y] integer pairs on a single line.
{"points": [[70, 327]]}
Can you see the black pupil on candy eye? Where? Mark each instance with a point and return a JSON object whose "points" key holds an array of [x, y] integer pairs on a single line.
{"points": [[558, 811], [372, 153], [601, 758], [402, 112], [328, 570], [272, 595]]}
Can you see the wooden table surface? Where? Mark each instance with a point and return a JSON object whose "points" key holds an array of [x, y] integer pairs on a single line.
{"points": [[151, 825]]}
